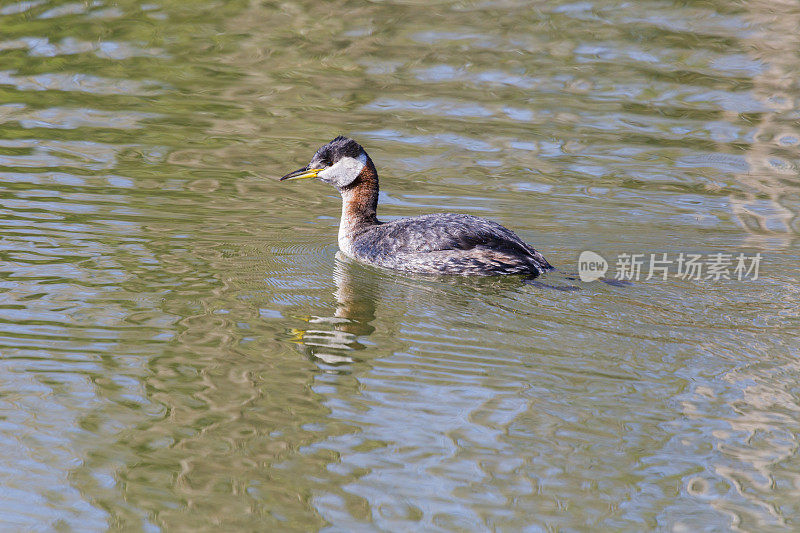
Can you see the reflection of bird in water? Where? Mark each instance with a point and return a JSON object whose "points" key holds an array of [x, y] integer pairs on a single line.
{"points": [[442, 243], [355, 309]]}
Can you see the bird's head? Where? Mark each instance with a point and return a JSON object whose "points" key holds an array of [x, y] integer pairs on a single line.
{"points": [[338, 163]]}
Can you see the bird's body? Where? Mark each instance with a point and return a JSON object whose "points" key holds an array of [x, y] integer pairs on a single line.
{"points": [[440, 243], [443, 243]]}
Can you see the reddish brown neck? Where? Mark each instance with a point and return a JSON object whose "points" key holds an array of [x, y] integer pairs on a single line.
{"points": [[360, 199]]}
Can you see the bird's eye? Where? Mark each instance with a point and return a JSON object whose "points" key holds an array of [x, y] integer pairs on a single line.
{"points": [[322, 160]]}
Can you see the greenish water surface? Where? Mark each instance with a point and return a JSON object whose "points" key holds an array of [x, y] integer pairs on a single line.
{"points": [[180, 348]]}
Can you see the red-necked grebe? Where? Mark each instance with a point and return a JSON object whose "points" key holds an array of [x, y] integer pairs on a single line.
{"points": [[441, 243]]}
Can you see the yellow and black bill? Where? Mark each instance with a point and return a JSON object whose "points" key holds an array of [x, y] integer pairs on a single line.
{"points": [[302, 173]]}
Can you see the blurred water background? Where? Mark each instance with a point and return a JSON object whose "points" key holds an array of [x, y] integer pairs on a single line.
{"points": [[181, 350]]}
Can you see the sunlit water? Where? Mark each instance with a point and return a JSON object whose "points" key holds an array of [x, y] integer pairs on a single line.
{"points": [[181, 350]]}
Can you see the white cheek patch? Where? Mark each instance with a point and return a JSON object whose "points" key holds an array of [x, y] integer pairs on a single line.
{"points": [[345, 171]]}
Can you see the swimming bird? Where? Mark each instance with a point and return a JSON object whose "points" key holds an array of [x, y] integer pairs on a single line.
{"points": [[441, 243]]}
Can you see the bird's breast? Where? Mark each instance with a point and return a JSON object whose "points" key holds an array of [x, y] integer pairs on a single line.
{"points": [[346, 242]]}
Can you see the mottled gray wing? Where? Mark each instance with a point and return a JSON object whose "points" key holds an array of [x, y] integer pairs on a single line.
{"points": [[445, 231]]}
